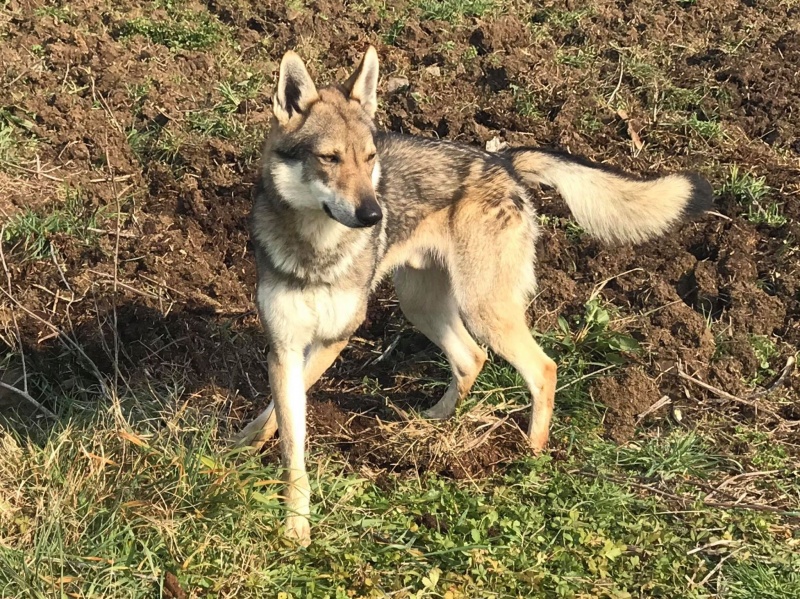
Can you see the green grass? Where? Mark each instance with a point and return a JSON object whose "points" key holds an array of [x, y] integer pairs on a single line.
{"points": [[31, 232], [526, 102], [453, 10], [751, 192], [16, 140], [219, 120], [708, 129], [63, 14], [560, 19], [762, 451], [105, 506], [589, 124], [681, 98], [765, 351], [678, 455], [575, 58], [745, 579], [183, 29]]}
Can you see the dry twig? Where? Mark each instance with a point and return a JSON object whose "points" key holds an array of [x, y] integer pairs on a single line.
{"points": [[29, 399]]}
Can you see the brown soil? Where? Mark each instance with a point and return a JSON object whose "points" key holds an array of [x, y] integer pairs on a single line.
{"points": [[184, 276]]}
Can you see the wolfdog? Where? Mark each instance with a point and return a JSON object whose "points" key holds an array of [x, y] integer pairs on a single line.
{"points": [[339, 205]]}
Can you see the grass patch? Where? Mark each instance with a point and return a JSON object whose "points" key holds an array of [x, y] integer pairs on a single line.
{"points": [[16, 140], [394, 31], [560, 19], [744, 580], [575, 58], [751, 192], [220, 120], [108, 506], [159, 144], [526, 103], [589, 124], [183, 29], [453, 10], [762, 451], [765, 351], [31, 232], [707, 129], [63, 14], [682, 99], [676, 456]]}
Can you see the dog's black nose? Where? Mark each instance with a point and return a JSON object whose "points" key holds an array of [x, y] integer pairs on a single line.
{"points": [[369, 213]]}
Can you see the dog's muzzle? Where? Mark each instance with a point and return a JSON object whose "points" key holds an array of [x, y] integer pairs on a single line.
{"points": [[367, 214]]}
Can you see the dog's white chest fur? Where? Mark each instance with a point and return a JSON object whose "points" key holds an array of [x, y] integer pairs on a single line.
{"points": [[296, 317]]}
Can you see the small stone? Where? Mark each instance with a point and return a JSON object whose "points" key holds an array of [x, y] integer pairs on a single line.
{"points": [[396, 84], [496, 145], [434, 70]]}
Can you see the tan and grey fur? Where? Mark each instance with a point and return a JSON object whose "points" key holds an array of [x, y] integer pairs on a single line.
{"points": [[340, 205]]}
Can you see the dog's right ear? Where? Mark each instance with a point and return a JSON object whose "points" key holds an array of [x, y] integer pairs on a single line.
{"points": [[296, 91]]}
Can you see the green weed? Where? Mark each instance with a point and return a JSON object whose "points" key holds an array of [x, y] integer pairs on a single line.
{"points": [[162, 144], [32, 231], [63, 14], [589, 124], [594, 339], [763, 452], [525, 102], [765, 351], [679, 455], [709, 129], [681, 98], [577, 59], [751, 192]]}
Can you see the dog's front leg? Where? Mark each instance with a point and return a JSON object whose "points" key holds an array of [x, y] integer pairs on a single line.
{"points": [[288, 393]]}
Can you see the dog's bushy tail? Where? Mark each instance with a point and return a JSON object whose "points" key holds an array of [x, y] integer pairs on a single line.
{"points": [[611, 205]]}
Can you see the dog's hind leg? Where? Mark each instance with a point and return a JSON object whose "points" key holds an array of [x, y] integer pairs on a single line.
{"points": [[265, 425], [492, 271], [505, 330], [426, 299]]}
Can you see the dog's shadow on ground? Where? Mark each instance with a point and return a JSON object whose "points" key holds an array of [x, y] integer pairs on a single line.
{"points": [[205, 358]]}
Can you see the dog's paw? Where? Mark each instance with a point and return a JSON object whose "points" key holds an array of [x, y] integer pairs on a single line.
{"points": [[442, 410], [245, 439], [254, 435], [435, 413], [538, 440], [298, 530]]}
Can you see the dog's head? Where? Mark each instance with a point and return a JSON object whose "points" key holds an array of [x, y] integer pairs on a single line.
{"points": [[323, 154]]}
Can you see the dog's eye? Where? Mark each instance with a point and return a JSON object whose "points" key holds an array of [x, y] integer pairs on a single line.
{"points": [[371, 157], [328, 158]]}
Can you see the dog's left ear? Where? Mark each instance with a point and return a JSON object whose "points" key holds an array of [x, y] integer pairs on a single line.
{"points": [[363, 84]]}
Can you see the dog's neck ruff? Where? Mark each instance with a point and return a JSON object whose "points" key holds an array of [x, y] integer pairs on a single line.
{"points": [[306, 245]]}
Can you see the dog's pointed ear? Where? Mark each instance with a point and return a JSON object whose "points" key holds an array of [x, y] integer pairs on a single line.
{"points": [[363, 84], [296, 91]]}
